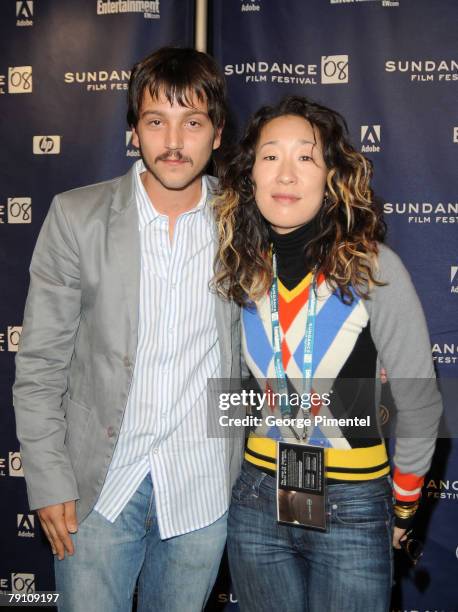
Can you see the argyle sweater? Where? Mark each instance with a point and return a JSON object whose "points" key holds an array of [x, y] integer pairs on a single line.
{"points": [[352, 342]]}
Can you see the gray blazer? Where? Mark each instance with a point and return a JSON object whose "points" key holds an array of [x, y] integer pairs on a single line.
{"points": [[78, 346]]}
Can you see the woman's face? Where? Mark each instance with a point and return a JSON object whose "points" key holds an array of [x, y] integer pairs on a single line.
{"points": [[289, 173]]}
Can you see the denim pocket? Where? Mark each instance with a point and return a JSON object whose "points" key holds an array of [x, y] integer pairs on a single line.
{"points": [[246, 489], [361, 513]]}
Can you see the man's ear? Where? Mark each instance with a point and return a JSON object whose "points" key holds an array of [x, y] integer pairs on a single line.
{"points": [[217, 139], [135, 140]]}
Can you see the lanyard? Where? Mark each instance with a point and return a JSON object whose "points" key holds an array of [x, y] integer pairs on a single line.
{"points": [[307, 369]]}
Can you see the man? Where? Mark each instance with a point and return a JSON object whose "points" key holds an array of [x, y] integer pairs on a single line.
{"points": [[120, 336]]}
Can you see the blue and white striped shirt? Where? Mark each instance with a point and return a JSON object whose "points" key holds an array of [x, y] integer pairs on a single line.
{"points": [[164, 430]]}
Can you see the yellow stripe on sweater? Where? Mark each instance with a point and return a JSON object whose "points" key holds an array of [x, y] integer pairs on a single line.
{"points": [[366, 457]]}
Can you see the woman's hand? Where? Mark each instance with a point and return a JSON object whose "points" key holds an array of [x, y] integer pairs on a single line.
{"points": [[398, 534]]}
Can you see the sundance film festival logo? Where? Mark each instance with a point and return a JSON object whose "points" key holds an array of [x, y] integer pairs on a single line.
{"points": [[424, 71], [423, 212], [370, 139], [454, 279], [334, 69], [24, 13], [13, 335], [445, 353], [442, 489], [26, 525], [131, 150], [100, 80], [15, 464], [22, 583], [46, 145], [19, 79], [150, 9], [16, 210], [19, 210]]}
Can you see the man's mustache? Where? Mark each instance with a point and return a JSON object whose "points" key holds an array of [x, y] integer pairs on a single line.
{"points": [[173, 155]]}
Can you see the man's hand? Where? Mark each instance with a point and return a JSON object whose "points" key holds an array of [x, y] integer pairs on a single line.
{"points": [[398, 534], [57, 521]]}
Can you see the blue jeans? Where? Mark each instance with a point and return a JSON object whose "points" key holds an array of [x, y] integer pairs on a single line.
{"points": [[278, 567], [174, 575]]}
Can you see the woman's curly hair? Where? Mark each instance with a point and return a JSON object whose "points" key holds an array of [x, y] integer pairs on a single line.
{"points": [[349, 223]]}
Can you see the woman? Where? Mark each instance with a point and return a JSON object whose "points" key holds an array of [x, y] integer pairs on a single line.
{"points": [[300, 249]]}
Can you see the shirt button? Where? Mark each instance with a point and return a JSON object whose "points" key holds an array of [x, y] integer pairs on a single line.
{"points": [[173, 285], [156, 451], [126, 361], [171, 330], [110, 431]]}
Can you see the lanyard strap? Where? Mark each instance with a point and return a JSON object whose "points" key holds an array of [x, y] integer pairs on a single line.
{"points": [[307, 369]]}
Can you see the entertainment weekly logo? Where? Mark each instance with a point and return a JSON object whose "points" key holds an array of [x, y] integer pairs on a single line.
{"points": [[16, 210], [423, 212], [150, 9], [424, 71], [333, 70], [384, 3], [99, 80], [18, 80]]}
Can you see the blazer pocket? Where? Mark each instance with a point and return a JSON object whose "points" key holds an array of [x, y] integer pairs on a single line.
{"points": [[78, 418]]}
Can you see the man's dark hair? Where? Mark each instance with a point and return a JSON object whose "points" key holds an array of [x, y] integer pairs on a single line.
{"points": [[179, 74]]}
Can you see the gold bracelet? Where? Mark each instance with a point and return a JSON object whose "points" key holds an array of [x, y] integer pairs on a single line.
{"points": [[403, 511]]}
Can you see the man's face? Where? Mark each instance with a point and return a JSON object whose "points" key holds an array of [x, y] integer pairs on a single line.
{"points": [[175, 141]]}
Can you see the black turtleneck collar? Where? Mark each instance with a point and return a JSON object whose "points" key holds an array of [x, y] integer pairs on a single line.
{"points": [[289, 249]]}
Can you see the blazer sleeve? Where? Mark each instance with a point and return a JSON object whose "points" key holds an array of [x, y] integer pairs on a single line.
{"points": [[51, 319]]}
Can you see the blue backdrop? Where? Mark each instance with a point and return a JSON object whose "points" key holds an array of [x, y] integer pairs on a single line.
{"points": [[391, 68]]}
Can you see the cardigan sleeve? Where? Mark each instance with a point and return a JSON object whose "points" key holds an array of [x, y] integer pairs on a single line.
{"points": [[401, 337]]}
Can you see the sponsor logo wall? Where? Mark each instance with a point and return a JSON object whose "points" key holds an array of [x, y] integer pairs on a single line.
{"points": [[64, 70], [390, 67]]}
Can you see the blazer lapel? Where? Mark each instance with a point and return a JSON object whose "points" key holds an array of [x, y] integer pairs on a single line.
{"points": [[125, 238]]}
